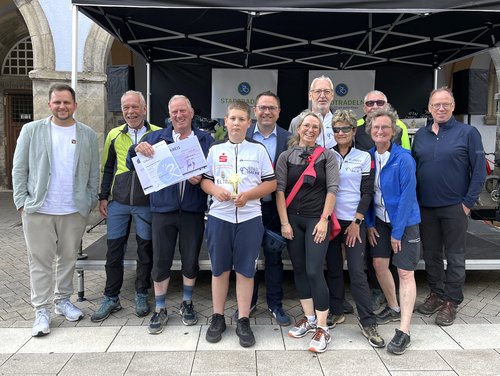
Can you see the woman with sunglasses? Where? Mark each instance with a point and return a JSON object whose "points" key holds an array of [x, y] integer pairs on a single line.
{"points": [[393, 224], [353, 199], [305, 223]]}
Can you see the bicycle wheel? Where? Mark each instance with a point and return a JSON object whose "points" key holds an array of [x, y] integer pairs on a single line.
{"points": [[491, 183]]}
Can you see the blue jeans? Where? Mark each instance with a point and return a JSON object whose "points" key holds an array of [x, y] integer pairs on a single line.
{"points": [[118, 221]]}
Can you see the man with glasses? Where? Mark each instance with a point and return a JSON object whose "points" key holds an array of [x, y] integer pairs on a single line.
{"points": [[321, 97], [274, 138], [450, 176], [373, 101]]}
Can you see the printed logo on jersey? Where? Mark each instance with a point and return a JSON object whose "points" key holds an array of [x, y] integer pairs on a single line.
{"points": [[223, 158]]}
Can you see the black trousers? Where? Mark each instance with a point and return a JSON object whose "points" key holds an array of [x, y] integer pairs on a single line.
{"points": [[444, 229]]}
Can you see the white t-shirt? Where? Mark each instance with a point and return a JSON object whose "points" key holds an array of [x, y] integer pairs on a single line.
{"points": [[380, 161], [251, 162], [59, 199], [352, 168]]}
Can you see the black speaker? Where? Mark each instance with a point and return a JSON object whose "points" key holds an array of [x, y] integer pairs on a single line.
{"points": [[470, 89], [120, 80]]}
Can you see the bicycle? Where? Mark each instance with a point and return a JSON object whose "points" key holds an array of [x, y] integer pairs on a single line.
{"points": [[492, 182]]}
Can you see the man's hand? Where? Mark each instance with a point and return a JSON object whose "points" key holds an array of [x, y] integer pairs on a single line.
{"points": [[372, 235], [145, 149], [466, 210], [21, 210], [195, 180], [103, 208]]}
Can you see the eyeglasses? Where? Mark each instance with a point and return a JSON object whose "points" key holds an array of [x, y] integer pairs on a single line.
{"points": [[267, 108], [326, 92], [381, 128], [379, 103], [436, 106], [346, 129], [309, 126]]}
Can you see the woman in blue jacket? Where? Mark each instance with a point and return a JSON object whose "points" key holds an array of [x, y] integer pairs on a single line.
{"points": [[393, 224]]}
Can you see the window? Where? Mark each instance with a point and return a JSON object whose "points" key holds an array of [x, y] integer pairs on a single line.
{"points": [[19, 60]]}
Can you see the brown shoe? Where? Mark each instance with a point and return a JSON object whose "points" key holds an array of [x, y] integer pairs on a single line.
{"points": [[432, 303], [447, 314]]}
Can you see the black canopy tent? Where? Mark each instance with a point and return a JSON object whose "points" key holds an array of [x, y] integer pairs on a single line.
{"points": [[405, 41]]}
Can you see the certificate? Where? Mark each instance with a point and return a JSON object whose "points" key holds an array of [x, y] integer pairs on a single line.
{"points": [[170, 164]]}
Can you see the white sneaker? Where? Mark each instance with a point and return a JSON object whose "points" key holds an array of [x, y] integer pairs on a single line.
{"points": [[301, 328], [41, 326], [69, 310], [320, 341]]}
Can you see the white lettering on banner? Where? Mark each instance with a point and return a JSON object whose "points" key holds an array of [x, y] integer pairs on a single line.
{"points": [[230, 85]]}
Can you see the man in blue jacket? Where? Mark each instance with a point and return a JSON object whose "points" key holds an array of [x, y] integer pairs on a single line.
{"points": [[177, 211], [450, 175], [274, 138]]}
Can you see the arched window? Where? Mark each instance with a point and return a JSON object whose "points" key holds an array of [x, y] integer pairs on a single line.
{"points": [[19, 60]]}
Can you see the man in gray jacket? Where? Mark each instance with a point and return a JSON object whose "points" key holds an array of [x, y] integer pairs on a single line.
{"points": [[55, 176]]}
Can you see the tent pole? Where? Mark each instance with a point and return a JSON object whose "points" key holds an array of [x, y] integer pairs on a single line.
{"points": [[436, 70], [148, 90], [74, 46]]}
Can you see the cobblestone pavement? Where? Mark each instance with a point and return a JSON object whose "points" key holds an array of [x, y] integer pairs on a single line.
{"points": [[480, 311]]}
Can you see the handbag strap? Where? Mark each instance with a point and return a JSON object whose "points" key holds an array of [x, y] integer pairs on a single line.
{"points": [[300, 181]]}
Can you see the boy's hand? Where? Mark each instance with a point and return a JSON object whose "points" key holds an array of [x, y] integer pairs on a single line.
{"points": [[240, 199], [222, 194]]}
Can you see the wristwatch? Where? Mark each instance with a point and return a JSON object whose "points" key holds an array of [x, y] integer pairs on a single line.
{"points": [[358, 221]]}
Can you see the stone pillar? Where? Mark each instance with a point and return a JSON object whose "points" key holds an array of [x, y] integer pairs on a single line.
{"points": [[90, 96]]}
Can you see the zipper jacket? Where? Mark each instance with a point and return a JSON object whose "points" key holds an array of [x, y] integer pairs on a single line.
{"points": [[398, 184], [118, 182]]}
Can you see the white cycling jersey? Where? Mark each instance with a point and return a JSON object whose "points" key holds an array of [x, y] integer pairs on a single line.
{"points": [[251, 161]]}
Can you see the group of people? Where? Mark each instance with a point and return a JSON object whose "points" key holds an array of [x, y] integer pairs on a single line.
{"points": [[388, 201]]}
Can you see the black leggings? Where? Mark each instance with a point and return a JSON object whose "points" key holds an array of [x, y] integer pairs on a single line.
{"points": [[308, 259]]}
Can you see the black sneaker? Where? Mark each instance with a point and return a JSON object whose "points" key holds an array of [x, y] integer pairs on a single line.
{"points": [[216, 328], [158, 321], [245, 333], [399, 343], [189, 315], [387, 315]]}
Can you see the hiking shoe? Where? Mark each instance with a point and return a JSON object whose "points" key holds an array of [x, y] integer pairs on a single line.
{"points": [[320, 341], [302, 327], [280, 316], [69, 310], [158, 321], [244, 332], [333, 320], [378, 299], [216, 328], [432, 303], [348, 308], [447, 314], [41, 326], [387, 315], [141, 304], [399, 343], [108, 306], [236, 314], [371, 333]]}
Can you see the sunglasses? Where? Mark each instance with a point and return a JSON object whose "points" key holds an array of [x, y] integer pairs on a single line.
{"points": [[379, 103], [347, 129]]}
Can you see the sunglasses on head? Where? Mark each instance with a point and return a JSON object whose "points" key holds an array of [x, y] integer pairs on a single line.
{"points": [[379, 103], [346, 129]]}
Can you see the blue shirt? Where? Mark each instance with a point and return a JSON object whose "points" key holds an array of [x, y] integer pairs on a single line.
{"points": [[270, 142]]}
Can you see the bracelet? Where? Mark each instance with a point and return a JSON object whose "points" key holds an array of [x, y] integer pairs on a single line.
{"points": [[284, 224]]}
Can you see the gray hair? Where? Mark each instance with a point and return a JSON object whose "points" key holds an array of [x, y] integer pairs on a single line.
{"points": [[445, 89], [134, 92], [294, 140], [179, 96], [388, 111], [377, 92], [321, 78], [345, 116]]}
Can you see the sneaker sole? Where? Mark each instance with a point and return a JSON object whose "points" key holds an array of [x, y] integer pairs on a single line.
{"points": [[383, 322], [40, 333], [444, 323], [244, 343], [302, 335], [57, 312], [319, 351], [105, 317], [215, 339], [159, 330], [189, 323], [397, 352]]}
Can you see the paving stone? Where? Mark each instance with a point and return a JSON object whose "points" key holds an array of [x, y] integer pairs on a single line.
{"points": [[287, 363], [97, 364], [344, 362], [473, 362], [174, 363], [236, 362], [23, 364], [475, 336], [423, 360]]}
